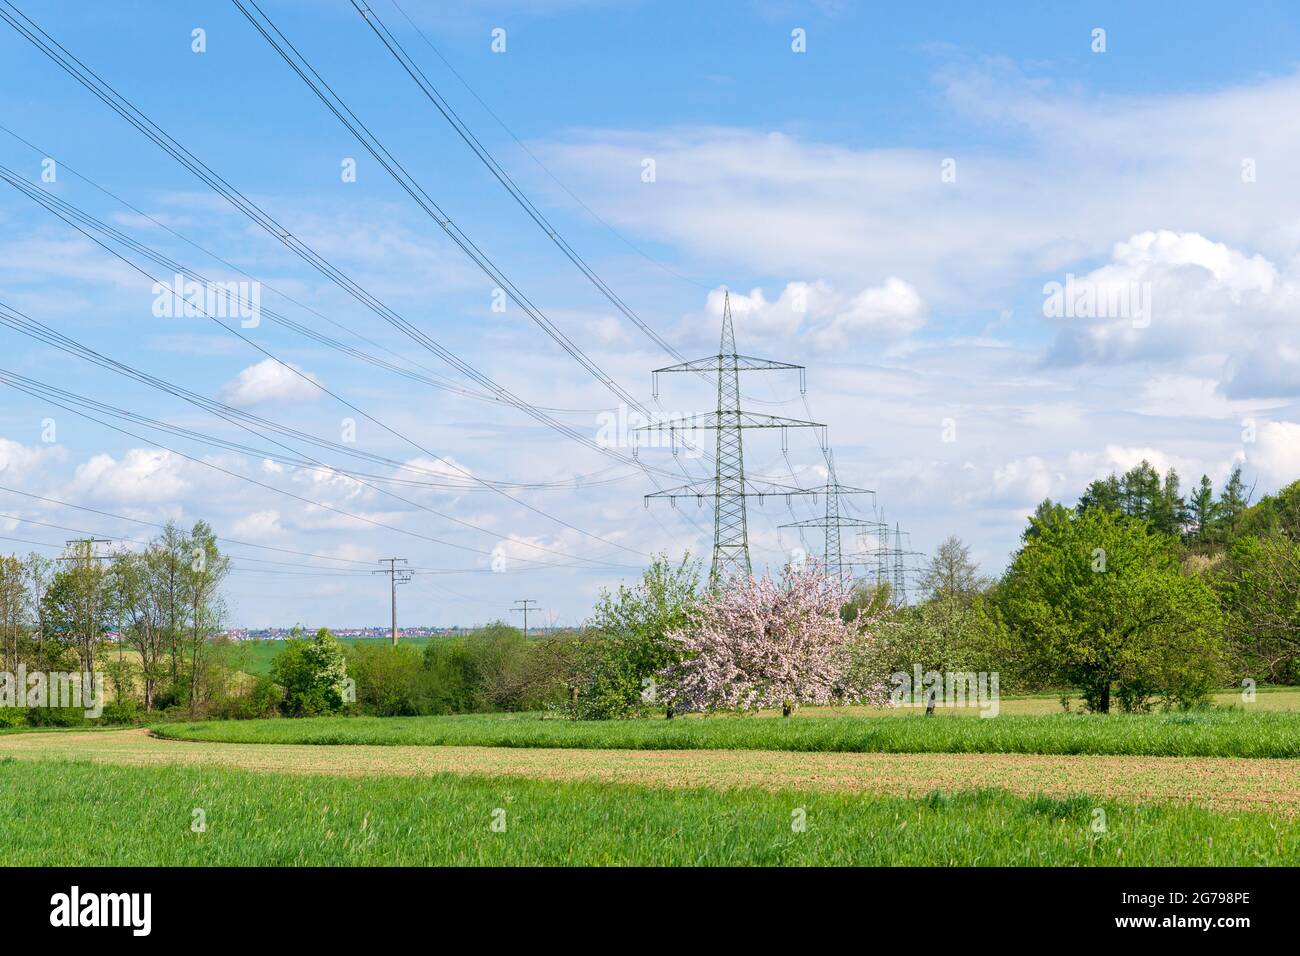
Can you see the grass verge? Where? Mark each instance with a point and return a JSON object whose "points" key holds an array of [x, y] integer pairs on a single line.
{"points": [[1197, 734]]}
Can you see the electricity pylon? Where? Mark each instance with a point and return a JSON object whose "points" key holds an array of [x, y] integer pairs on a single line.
{"points": [[889, 561], [730, 488], [832, 555]]}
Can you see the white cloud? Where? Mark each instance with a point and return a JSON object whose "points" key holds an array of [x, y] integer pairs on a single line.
{"points": [[17, 461], [259, 526], [1179, 295], [1185, 396], [140, 475], [268, 381], [887, 311], [831, 318], [1275, 454]]}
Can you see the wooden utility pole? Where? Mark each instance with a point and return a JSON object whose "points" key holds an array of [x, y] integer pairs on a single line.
{"points": [[396, 576], [524, 603]]}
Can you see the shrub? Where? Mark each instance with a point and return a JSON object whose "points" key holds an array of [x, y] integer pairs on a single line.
{"points": [[630, 643], [495, 669], [56, 716], [261, 698], [121, 711], [313, 675], [453, 677], [390, 681]]}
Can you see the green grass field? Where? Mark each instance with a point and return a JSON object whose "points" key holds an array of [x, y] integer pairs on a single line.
{"points": [[1215, 733], [73, 813]]}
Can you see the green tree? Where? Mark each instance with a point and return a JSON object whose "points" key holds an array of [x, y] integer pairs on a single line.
{"points": [[77, 605], [868, 599], [1232, 505], [1102, 493], [502, 665], [1049, 513], [1274, 515], [1100, 603], [453, 676], [1169, 511], [13, 612], [628, 642], [1203, 513], [201, 580], [390, 681], [951, 573], [313, 674], [1140, 491], [951, 633], [1261, 594]]}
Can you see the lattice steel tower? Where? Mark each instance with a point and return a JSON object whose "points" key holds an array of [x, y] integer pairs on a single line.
{"points": [[730, 488], [832, 554]]}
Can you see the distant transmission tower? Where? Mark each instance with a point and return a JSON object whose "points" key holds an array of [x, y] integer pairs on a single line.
{"points": [[888, 557], [730, 488], [833, 555]]}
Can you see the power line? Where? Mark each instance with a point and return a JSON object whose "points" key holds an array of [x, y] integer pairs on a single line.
{"points": [[296, 61], [310, 380], [451, 116], [124, 108], [27, 326], [327, 95], [533, 156], [60, 397], [429, 378]]}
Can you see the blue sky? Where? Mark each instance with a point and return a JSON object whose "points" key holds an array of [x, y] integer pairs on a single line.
{"points": [[1164, 164]]}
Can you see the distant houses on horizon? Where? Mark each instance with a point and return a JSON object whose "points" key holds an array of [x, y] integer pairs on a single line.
{"points": [[376, 633]]}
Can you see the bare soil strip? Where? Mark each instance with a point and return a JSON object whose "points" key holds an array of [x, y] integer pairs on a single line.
{"points": [[1223, 784]]}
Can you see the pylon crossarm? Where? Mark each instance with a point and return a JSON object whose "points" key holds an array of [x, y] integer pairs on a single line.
{"points": [[706, 488], [841, 522], [711, 421], [728, 363]]}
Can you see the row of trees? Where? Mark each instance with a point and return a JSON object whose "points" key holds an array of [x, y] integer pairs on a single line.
{"points": [[163, 602], [1132, 595], [1135, 595], [1203, 519]]}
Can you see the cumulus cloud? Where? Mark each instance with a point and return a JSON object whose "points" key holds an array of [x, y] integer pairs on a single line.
{"points": [[1275, 453], [18, 461], [259, 526], [140, 475], [1078, 172], [269, 381], [830, 318], [1168, 296]]}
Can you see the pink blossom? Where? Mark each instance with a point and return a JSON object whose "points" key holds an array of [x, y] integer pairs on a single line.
{"points": [[757, 643]]}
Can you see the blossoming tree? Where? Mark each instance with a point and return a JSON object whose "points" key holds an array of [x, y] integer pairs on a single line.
{"points": [[757, 642]]}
